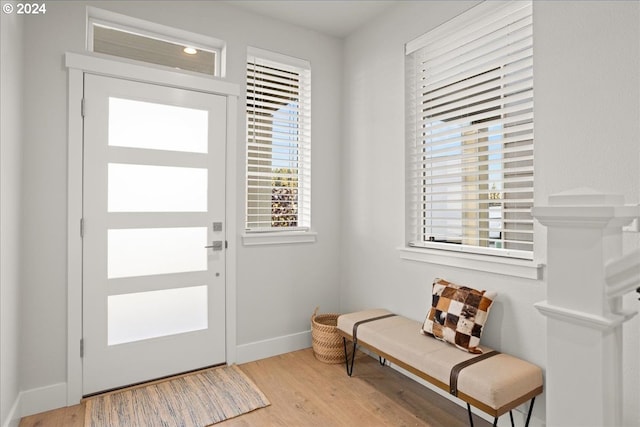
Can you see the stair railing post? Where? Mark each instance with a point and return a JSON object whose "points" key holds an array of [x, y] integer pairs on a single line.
{"points": [[584, 323]]}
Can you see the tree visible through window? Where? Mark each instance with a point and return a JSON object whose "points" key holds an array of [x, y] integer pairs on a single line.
{"points": [[284, 198]]}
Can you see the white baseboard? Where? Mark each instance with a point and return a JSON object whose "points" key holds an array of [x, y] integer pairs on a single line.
{"points": [[42, 399], [272, 347], [36, 400], [13, 417]]}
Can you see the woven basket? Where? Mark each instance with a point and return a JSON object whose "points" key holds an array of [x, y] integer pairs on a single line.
{"points": [[327, 343]]}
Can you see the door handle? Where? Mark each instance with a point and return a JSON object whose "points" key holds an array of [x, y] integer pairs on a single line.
{"points": [[215, 246]]}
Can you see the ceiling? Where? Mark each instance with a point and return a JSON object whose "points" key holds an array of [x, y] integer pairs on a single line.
{"points": [[336, 18]]}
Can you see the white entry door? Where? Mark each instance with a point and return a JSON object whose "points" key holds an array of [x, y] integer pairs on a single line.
{"points": [[153, 232]]}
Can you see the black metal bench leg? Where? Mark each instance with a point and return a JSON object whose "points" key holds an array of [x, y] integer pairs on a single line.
{"points": [[470, 415], [533, 400], [349, 366], [513, 424]]}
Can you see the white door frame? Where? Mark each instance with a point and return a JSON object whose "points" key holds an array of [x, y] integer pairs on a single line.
{"points": [[77, 64]]}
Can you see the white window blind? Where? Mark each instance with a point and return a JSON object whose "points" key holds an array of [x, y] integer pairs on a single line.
{"points": [[470, 150], [278, 142]]}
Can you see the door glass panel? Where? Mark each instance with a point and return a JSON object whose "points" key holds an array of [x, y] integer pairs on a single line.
{"points": [[144, 315], [149, 251], [139, 124], [142, 188]]}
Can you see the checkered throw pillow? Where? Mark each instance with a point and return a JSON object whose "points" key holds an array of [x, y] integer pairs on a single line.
{"points": [[458, 314]]}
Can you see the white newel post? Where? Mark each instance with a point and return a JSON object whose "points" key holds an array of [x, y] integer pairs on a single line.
{"points": [[586, 277]]}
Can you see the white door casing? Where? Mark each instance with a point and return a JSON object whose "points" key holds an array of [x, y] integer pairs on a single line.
{"points": [[78, 65]]}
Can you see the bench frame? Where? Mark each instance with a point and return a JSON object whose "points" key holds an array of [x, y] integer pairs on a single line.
{"points": [[470, 401]]}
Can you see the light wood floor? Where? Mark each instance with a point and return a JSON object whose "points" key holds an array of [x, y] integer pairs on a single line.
{"points": [[306, 392]]}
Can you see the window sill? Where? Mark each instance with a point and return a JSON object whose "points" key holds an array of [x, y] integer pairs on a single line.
{"points": [[491, 264], [278, 238]]}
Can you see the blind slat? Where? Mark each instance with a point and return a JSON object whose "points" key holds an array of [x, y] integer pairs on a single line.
{"points": [[452, 187]]}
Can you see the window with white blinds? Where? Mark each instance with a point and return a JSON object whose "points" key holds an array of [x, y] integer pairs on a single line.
{"points": [[469, 149], [278, 142]]}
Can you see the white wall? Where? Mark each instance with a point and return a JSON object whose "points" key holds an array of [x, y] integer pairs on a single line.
{"points": [[10, 194], [277, 286], [587, 100], [358, 163]]}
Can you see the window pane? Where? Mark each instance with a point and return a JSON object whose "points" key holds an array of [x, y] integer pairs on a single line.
{"points": [[470, 132], [139, 124], [148, 49], [278, 144], [144, 315], [149, 251], [142, 188]]}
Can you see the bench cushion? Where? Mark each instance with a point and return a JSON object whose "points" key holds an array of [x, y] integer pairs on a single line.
{"points": [[495, 382]]}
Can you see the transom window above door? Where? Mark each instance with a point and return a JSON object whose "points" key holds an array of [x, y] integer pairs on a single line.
{"points": [[125, 37]]}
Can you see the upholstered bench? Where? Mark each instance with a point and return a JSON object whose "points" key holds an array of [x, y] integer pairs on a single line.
{"points": [[493, 382]]}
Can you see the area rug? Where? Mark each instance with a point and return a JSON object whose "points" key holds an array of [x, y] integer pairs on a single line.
{"points": [[195, 400]]}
